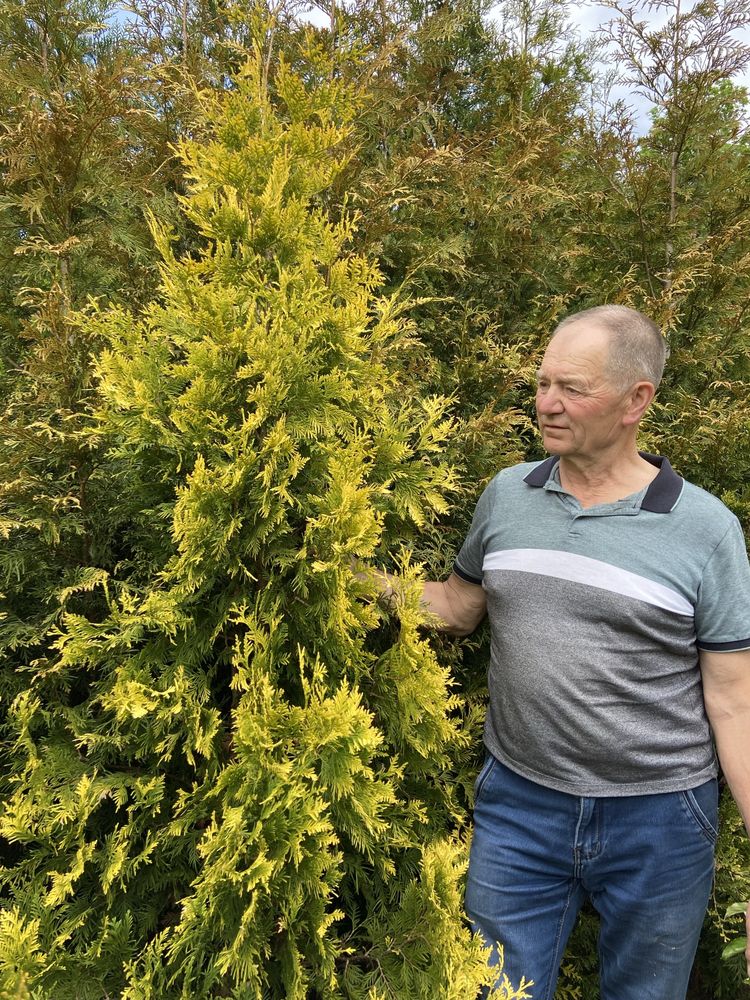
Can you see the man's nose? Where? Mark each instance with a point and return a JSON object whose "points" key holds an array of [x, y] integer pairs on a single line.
{"points": [[548, 401]]}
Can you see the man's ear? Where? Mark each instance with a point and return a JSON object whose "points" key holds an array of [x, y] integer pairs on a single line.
{"points": [[639, 399]]}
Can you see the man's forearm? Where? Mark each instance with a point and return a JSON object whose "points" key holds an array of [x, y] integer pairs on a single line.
{"points": [[433, 596], [726, 692], [732, 736], [457, 607]]}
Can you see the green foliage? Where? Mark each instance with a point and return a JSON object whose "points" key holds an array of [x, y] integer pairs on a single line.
{"points": [[72, 193], [72, 190]]}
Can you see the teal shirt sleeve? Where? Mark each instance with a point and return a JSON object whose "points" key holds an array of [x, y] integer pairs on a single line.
{"points": [[468, 564], [722, 612]]}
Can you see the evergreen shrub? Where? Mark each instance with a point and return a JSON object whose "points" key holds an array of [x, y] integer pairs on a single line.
{"points": [[230, 773]]}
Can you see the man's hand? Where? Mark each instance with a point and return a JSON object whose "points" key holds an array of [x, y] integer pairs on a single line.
{"points": [[459, 606], [386, 582]]}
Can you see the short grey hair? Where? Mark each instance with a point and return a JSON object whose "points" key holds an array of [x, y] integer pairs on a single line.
{"points": [[637, 349]]}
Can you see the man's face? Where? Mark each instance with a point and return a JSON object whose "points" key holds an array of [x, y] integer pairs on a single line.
{"points": [[578, 408]]}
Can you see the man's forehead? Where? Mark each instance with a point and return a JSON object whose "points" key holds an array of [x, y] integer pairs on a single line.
{"points": [[586, 329], [583, 344]]}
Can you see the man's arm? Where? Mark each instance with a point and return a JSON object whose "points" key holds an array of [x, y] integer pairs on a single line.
{"points": [[458, 605], [726, 692]]}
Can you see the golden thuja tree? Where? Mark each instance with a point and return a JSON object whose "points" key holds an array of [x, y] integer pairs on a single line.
{"points": [[232, 773]]}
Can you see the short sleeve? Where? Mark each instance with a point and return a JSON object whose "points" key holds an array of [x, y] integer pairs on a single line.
{"points": [[468, 564], [722, 613]]}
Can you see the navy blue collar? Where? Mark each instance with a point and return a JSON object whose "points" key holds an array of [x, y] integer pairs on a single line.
{"points": [[661, 495]]}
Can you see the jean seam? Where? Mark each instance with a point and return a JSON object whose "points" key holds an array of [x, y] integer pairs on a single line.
{"points": [[556, 956], [482, 780], [576, 849], [704, 824]]}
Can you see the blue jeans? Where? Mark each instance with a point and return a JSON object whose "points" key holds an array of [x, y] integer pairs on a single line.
{"points": [[645, 861]]}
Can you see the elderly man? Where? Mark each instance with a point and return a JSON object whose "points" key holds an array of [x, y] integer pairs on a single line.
{"points": [[619, 603]]}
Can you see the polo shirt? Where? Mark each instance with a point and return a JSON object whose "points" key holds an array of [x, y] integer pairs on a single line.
{"points": [[597, 615]]}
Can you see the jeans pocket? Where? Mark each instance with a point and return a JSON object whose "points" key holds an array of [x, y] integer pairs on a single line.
{"points": [[702, 805], [489, 763]]}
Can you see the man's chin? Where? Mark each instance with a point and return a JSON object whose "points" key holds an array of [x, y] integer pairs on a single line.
{"points": [[555, 444]]}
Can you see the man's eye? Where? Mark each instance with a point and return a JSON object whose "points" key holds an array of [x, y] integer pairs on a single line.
{"points": [[572, 392]]}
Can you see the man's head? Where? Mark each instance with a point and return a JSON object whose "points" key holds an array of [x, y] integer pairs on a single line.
{"points": [[637, 350], [597, 378]]}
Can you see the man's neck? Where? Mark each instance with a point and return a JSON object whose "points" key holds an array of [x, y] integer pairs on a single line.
{"points": [[606, 479]]}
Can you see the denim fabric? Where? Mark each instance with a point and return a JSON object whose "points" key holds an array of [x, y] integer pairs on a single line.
{"points": [[645, 861]]}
